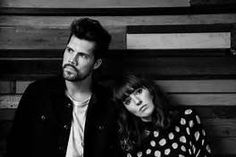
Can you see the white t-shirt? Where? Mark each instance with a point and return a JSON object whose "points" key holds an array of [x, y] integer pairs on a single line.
{"points": [[75, 146]]}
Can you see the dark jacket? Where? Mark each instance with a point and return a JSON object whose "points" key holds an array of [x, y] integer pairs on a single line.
{"points": [[43, 119]]}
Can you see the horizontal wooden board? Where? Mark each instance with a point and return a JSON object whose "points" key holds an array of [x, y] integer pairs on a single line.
{"points": [[198, 86], [92, 3], [122, 21], [152, 67], [204, 99], [7, 87], [170, 86], [47, 38], [224, 146], [157, 29], [211, 2], [179, 40]]}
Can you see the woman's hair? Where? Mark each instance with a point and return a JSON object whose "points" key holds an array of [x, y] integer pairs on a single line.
{"points": [[130, 126]]}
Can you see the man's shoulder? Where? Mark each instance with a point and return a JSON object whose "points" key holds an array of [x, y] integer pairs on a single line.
{"points": [[47, 83], [102, 90]]}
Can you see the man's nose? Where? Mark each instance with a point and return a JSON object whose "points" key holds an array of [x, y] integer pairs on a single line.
{"points": [[73, 60]]}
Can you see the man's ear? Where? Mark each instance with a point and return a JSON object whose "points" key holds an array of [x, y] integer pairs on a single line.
{"points": [[97, 63]]}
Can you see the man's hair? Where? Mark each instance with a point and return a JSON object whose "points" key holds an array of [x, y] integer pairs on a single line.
{"points": [[91, 30]]}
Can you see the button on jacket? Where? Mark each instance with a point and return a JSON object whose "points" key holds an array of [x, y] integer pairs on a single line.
{"points": [[43, 120]]}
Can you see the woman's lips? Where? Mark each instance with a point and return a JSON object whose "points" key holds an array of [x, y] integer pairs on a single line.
{"points": [[143, 108]]}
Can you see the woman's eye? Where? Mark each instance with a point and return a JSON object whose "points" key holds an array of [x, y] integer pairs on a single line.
{"points": [[127, 101], [139, 91]]}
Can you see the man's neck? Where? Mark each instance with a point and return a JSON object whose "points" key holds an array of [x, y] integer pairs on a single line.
{"points": [[79, 90]]}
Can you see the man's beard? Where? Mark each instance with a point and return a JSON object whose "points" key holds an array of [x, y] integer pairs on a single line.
{"points": [[73, 76]]}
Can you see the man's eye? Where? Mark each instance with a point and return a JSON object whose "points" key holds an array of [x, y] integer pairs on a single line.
{"points": [[127, 101], [69, 50], [84, 56]]}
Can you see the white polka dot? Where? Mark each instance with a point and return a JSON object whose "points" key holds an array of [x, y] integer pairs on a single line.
{"points": [[182, 121], [190, 152], [129, 155], [208, 149], [167, 151], [203, 132], [162, 142], [174, 145], [191, 123], [198, 119], [194, 149], [171, 136], [197, 135], [155, 133], [139, 154], [180, 155], [182, 139], [190, 142], [188, 131], [148, 151], [153, 143], [203, 142], [188, 111], [177, 129], [157, 153], [198, 152], [183, 148]]}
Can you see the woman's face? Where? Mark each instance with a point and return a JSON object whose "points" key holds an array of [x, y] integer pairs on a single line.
{"points": [[140, 103]]}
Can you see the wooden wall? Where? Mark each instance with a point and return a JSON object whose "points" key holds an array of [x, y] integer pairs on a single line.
{"points": [[33, 34]]}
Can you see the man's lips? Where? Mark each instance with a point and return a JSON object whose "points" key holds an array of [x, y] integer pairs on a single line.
{"points": [[69, 68]]}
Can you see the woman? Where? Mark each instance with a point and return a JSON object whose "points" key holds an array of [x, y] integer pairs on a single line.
{"points": [[148, 126]]}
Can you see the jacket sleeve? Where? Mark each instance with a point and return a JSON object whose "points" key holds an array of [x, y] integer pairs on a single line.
{"points": [[18, 142], [199, 140]]}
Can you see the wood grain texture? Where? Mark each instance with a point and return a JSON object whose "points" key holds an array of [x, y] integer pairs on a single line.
{"points": [[169, 86], [92, 3], [154, 67], [47, 38], [112, 21], [179, 40]]}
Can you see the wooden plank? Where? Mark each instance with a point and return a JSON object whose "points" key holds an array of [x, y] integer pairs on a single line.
{"points": [[220, 127], [204, 99], [215, 112], [157, 29], [47, 38], [9, 101], [178, 40], [7, 87], [176, 86], [197, 86], [224, 146], [154, 67], [92, 3], [122, 21], [21, 86], [211, 2]]}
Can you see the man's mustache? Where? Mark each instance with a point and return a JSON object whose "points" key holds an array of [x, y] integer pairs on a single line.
{"points": [[70, 65]]}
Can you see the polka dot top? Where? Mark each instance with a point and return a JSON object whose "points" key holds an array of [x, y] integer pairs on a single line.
{"points": [[185, 138]]}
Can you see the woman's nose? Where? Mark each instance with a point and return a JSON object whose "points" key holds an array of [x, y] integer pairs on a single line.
{"points": [[137, 100]]}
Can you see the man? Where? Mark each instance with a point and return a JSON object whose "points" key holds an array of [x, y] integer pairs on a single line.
{"points": [[68, 116]]}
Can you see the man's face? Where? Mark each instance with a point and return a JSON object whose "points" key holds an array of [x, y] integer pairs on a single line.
{"points": [[78, 61]]}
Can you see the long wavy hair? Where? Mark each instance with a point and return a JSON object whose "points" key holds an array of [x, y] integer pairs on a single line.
{"points": [[131, 130]]}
